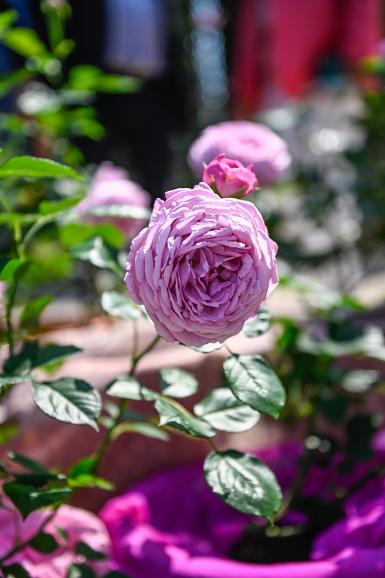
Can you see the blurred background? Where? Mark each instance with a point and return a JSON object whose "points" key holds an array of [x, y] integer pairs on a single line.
{"points": [[313, 71]]}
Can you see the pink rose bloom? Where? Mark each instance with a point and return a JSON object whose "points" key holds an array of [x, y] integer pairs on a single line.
{"points": [[229, 177], [111, 192], [248, 142], [202, 267], [80, 526]]}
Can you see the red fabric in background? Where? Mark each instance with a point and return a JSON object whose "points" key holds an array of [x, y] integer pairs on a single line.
{"points": [[300, 34]]}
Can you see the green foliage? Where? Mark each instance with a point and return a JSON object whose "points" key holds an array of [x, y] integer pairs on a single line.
{"points": [[176, 416], [44, 543], [119, 305], [89, 553], [259, 324], [28, 499], [176, 382], [15, 571], [224, 412], [69, 400], [253, 382], [36, 168], [97, 252], [34, 355], [244, 483], [130, 388]]}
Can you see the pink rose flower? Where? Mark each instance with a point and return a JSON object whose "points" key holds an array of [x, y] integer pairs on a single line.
{"points": [[248, 142], [202, 267], [112, 190], [80, 526], [229, 177]]}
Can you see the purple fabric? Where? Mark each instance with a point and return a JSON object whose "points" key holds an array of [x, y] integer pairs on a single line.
{"points": [[80, 526], [229, 177], [202, 267], [172, 526], [248, 142]]}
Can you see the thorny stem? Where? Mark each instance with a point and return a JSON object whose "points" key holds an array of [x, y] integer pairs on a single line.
{"points": [[101, 450]]}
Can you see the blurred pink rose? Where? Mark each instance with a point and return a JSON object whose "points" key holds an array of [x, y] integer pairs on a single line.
{"points": [[229, 177], [248, 142], [202, 267], [80, 526], [111, 193]]}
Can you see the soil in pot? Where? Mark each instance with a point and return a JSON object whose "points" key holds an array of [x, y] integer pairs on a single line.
{"points": [[291, 539]]}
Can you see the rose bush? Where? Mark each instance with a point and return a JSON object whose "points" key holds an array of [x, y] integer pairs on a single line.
{"points": [[230, 177], [202, 267], [247, 142], [113, 198]]}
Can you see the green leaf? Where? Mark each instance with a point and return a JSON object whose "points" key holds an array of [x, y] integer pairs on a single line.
{"points": [[254, 382], [24, 41], [258, 325], [44, 543], [7, 380], [119, 305], [15, 571], [7, 18], [13, 79], [95, 251], [370, 343], [8, 431], [90, 481], [244, 483], [33, 355], [91, 78], [52, 207], [8, 268], [176, 416], [32, 311], [69, 400], [74, 234], [84, 466], [27, 499], [225, 412], [36, 168], [80, 571], [89, 553], [130, 388], [142, 428], [177, 382], [28, 463]]}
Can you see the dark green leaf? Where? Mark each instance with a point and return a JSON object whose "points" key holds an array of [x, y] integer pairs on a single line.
{"points": [[69, 400], [28, 463], [6, 380], [254, 383], [44, 543], [8, 267], [130, 388], [244, 483], [176, 416], [33, 355], [8, 430], [13, 79], [36, 168], [83, 466], [15, 571], [27, 499], [258, 325], [177, 382], [225, 412], [89, 553], [119, 305], [115, 574]]}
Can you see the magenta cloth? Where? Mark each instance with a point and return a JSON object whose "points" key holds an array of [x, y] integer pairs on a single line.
{"points": [[172, 526], [80, 526]]}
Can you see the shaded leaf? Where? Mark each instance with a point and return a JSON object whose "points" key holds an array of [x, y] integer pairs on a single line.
{"points": [[95, 251], [257, 325], [27, 499], [243, 482], [142, 428], [130, 388], [15, 571], [32, 311], [89, 553], [44, 543], [52, 207]]}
